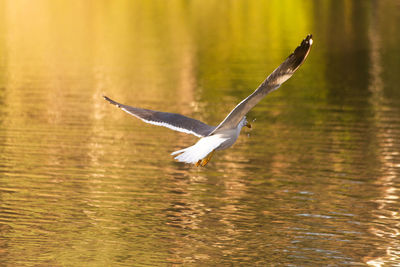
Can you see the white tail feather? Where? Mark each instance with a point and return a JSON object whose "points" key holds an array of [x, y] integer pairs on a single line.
{"points": [[200, 150]]}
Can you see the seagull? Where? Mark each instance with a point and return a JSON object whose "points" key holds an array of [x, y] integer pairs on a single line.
{"points": [[223, 136]]}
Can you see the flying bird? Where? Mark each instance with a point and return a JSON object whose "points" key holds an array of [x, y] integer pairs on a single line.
{"points": [[223, 136]]}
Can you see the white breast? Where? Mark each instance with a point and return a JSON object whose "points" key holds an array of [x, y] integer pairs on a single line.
{"points": [[200, 150]]}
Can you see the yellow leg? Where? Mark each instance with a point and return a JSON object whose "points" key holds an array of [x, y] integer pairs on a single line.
{"points": [[198, 163], [206, 159]]}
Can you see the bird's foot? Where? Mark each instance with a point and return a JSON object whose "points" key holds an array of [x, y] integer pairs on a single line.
{"points": [[203, 162]]}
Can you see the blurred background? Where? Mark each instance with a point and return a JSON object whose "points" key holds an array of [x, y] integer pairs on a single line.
{"points": [[315, 182]]}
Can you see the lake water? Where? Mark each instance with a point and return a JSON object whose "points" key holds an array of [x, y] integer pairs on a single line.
{"points": [[315, 182]]}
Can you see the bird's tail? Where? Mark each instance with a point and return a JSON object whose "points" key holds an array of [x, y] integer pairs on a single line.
{"points": [[200, 150]]}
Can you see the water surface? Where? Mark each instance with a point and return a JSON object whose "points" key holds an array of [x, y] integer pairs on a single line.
{"points": [[315, 182]]}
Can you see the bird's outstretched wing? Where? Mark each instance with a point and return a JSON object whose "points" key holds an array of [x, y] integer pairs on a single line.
{"points": [[172, 121], [273, 81]]}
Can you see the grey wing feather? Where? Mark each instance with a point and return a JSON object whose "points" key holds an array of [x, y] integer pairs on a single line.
{"points": [[273, 81], [172, 121]]}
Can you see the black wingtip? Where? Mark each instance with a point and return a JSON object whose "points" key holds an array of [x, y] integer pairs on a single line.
{"points": [[111, 101], [301, 52], [307, 41], [305, 44], [108, 99]]}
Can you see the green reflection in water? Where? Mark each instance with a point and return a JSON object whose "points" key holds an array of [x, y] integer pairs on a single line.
{"points": [[82, 183]]}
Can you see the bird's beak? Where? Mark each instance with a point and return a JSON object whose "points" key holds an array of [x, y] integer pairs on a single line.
{"points": [[248, 125]]}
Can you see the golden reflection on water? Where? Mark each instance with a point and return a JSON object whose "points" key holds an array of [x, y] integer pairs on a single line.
{"points": [[315, 181], [389, 151]]}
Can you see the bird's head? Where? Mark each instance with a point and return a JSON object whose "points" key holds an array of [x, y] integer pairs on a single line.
{"points": [[244, 122]]}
